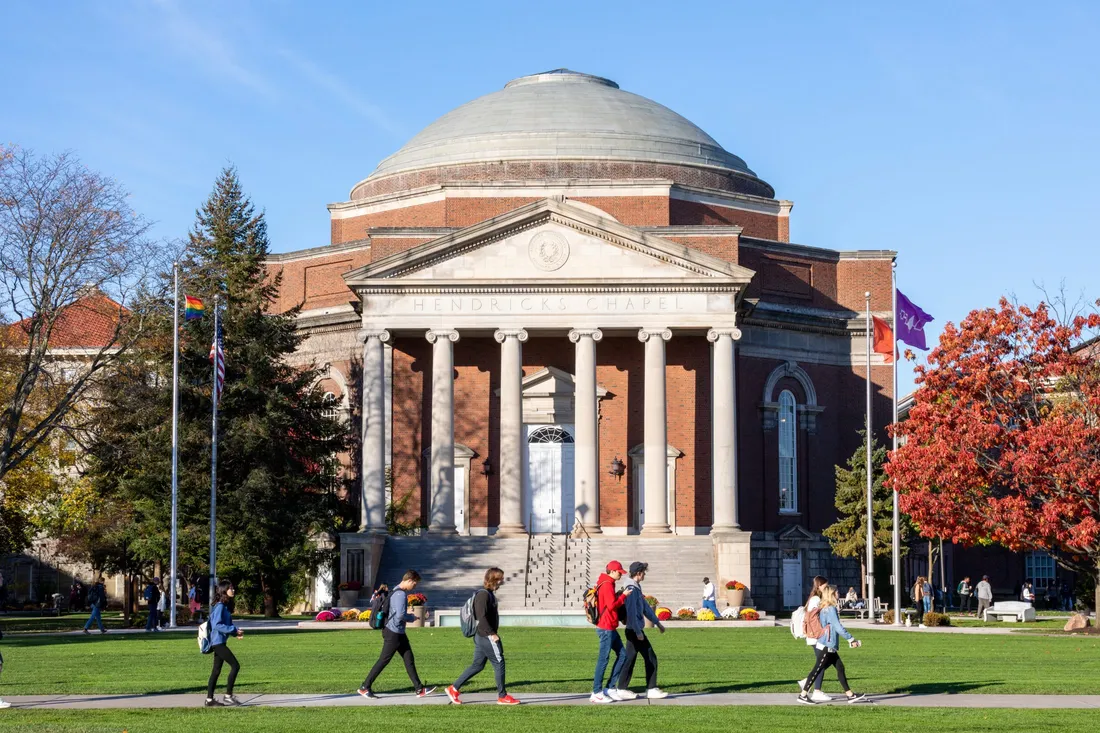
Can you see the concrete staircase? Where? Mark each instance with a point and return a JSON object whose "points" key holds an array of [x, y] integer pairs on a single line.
{"points": [[561, 568]]}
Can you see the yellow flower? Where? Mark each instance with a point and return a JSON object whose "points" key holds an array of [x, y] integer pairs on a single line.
{"points": [[705, 615]]}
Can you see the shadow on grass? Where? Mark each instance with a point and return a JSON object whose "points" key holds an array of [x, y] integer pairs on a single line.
{"points": [[718, 688], [945, 688]]}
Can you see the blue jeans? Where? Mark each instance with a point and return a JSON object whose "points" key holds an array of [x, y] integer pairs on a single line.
{"points": [[712, 606], [609, 642], [927, 604], [96, 617], [153, 622]]}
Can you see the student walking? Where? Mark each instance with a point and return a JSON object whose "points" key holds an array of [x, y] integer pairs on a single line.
{"points": [[985, 596], [162, 605], [965, 591], [709, 597], [813, 604], [917, 595], [608, 603], [97, 598], [827, 644], [637, 611], [395, 640], [487, 646], [221, 628], [152, 597]]}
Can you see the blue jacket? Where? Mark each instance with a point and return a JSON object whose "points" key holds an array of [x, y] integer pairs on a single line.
{"points": [[637, 610], [830, 622], [398, 612], [221, 625]]}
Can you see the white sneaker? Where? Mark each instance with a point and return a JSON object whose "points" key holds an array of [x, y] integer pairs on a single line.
{"points": [[922, 626], [656, 693], [802, 684], [626, 694], [819, 696], [613, 694], [599, 697], [4, 704]]}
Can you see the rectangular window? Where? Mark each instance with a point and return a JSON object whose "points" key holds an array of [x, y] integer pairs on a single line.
{"points": [[1040, 570], [788, 445]]}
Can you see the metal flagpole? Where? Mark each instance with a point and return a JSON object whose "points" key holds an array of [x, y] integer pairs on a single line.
{"points": [[214, 465], [175, 433], [870, 478], [897, 514]]}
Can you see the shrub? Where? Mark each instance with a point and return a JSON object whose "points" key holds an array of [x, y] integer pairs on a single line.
{"points": [[325, 616], [664, 614], [730, 612], [652, 601], [417, 599], [749, 614], [736, 585], [888, 617], [687, 612], [706, 615], [936, 619], [352, 614]]}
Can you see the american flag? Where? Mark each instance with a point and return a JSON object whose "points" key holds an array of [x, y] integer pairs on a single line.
{"points": [[217, 357]]}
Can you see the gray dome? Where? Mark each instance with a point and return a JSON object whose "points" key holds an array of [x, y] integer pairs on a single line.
{"points": [[563, 115]]}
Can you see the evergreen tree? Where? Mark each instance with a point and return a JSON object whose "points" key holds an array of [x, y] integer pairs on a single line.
{"points": [[848, 535]]}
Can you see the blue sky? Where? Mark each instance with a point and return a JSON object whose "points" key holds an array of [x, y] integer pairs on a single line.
{"points": [[963, 135]]}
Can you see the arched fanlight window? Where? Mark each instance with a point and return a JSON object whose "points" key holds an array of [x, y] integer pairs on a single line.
{"points": [[788, 448], [550, 435]]}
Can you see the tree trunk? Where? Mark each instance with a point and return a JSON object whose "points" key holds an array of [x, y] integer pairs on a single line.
{"points": [[126, 593], [271, 610], [862, 578]]}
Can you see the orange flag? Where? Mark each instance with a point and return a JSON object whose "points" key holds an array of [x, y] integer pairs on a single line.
{"points": [[884, 339]]}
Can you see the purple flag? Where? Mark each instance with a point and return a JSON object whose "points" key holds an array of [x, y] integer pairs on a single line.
{"points": [[911, 320]]}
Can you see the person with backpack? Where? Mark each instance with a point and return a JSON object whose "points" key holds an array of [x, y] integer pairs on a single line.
{"points": [[395, 640], [965, 592], [608, 603], [810, 629], [487, 646], [637, 611], [221, 628], [831, 629], [152, 597], [97, 598]]}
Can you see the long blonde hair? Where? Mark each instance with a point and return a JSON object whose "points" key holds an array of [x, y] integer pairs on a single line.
{"points": [[828, 596]]}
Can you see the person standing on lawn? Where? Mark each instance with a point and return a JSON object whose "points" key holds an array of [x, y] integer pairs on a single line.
{"points": [[608, 603], [827, 644], [162, 605], [985, 596], [487, 645], [814, 602], [965, 591], [152, 597], [709, 597], [395, 640], [637, 611], [917, 594], [221, 628], [97, 598]]}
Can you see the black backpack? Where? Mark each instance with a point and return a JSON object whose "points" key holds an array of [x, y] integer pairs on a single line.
{"points": [[379, 605]]}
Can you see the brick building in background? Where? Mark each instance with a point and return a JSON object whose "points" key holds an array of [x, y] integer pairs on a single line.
{"points": [[510, 294]]}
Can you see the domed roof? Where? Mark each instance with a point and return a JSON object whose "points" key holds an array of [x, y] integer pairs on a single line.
{"points": [[561, 114]]}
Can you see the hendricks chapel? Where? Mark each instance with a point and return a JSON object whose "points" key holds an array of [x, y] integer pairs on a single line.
{"points": [[571, 327]]}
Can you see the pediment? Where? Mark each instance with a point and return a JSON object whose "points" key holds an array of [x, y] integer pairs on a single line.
{"points": [[550, 241], [552, 382], [794, 533]]}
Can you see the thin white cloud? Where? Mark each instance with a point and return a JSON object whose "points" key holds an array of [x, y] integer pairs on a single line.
{"points": [[336, 86]]}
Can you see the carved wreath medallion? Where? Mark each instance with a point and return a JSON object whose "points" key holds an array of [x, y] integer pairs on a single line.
{"points": [[548, 251]]}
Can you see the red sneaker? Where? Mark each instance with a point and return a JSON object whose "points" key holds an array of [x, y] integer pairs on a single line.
{"points": [[453, 694], [507, 700]]}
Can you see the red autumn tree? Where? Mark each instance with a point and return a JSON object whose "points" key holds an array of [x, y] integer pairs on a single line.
{"points": [[1002, 443]]}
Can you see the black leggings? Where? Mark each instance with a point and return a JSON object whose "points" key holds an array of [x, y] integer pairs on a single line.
{"points": [[829, 658], [394, 644], [222, 654]]}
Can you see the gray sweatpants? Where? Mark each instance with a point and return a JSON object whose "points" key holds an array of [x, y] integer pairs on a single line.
{"points": [[485, 650]]}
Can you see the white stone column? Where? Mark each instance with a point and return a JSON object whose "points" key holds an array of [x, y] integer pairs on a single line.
{"points": [[656, 431], [442, 479], [586, 485], [373, 504], [511, 431], [724, 430]]}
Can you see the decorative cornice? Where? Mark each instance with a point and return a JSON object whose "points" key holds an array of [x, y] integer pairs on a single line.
{"points": [[435, 334], [593, 333], [322, 251], [506, 333], [548, 288], [644, 334]]}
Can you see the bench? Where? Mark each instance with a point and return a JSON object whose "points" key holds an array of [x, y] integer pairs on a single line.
{"points": [[1012, 611]]}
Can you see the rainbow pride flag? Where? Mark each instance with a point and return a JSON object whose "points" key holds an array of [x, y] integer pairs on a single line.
{"points": [[192, 308]]}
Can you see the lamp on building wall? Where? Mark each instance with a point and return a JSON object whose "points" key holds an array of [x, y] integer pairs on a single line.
{"points": [[618, 468], [486, 468]]}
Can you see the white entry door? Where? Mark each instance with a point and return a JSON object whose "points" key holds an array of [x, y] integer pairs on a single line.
{"points": [[792, 579], [550, 460], [460, 499], [639, 492]]}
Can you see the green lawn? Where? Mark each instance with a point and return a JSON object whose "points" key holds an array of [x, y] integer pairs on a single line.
{"points": [[68, 622], [610, 719], [553, 660]]}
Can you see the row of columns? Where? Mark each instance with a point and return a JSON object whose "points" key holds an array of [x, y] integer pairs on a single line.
{"points": [[586, 464]]}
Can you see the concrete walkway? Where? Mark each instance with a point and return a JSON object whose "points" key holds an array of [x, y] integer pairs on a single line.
{"points": [[84, 702]]}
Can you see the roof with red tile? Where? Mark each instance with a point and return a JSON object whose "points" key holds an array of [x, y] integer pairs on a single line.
{"points": [[89, 323]]}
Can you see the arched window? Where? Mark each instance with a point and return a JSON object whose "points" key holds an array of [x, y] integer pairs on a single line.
{"points": [[788, 449], [550, 435]]}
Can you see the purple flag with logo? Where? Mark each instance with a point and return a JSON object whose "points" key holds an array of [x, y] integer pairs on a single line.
{"points": [[911, 320]]}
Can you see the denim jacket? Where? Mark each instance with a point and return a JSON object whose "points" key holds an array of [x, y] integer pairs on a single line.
{"points": [[830, 622], [637, 610], [221, 624]]}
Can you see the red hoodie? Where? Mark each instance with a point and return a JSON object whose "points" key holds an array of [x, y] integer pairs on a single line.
{"points": [[608, 602]]}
